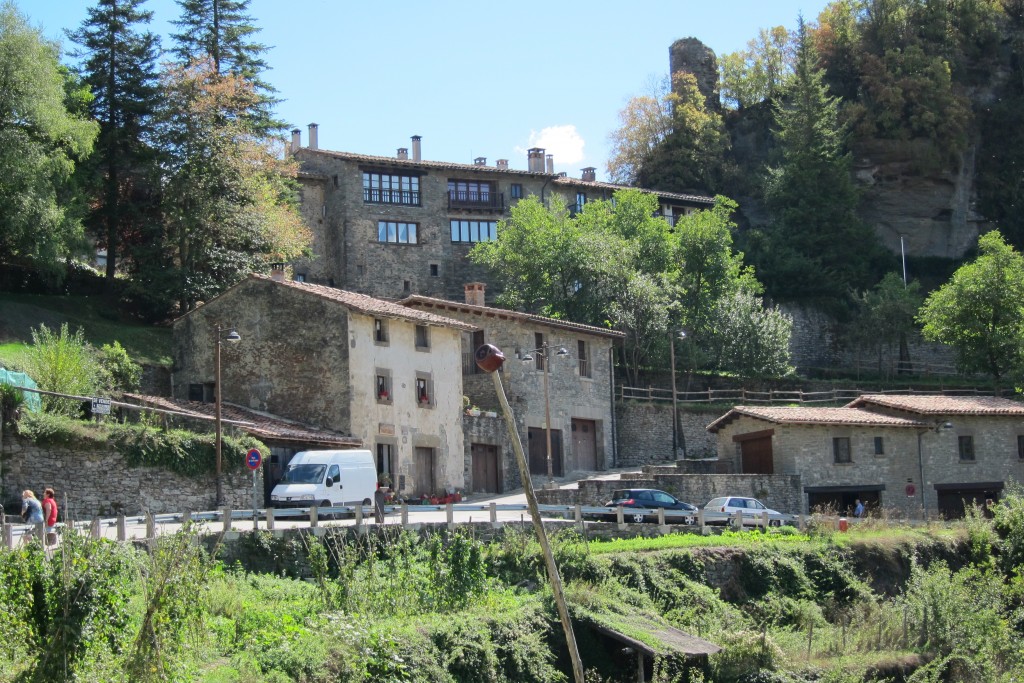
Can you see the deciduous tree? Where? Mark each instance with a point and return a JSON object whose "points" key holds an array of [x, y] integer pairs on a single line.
{"points": [[979, 312], [41, 139]]}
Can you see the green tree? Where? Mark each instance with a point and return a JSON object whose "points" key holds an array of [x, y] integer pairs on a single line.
{"points": [[63, 363], [643, 123], [886, 317], [230, 204], [750, 339], [979, 311], [40, 142], [222, 32], [758, 73], [120, 68], [806, 254]]}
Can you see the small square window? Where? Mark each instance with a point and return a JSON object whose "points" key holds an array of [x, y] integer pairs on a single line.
{"points": [[434, 270], [406, 286], [516, 191], [380, 331], [300, 277], [422, 337], [965, 442], [359, 269], [879, 446], [383, 387], [841, 450]]}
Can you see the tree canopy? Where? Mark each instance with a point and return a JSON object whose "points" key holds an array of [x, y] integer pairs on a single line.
{"points": [[980, 313], [42, 135]]}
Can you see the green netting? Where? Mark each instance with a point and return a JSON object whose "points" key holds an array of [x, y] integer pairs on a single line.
{"points": [[20, 379]]}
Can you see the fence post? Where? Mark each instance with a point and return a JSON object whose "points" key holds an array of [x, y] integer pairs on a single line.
{"points": [[578, 516], [227, 518], [405, 513], [700, 522], [122, 527], [494, 512], [313, 516], [9, 536], [359, 514], [619, 517], [94, 528], [739, 520], [186, 517], [449, 513], [270, 519], [661, 517], [150, 525], [802, 523]]}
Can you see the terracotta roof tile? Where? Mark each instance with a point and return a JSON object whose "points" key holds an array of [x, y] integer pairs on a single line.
{"points": [[419, 300], [368, 305], [941, 405], [261, 425], [813, 416]]}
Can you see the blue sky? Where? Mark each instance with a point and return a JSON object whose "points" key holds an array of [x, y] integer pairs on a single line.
{"points": [[476, 79]]}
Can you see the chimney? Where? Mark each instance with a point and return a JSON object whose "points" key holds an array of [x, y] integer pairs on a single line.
{"points": [[296, 140], [403, 153], [312, 136], [503, 164], [535, 160], [480, 161], [551, 163], [416, 148], [277, 272], [475, 293], [590, 174]]}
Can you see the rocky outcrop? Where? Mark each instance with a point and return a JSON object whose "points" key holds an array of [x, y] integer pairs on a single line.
{"points": [[692, 56]]}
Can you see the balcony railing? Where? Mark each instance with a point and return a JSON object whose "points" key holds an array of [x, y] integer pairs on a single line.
{"points": [[386, 196], [476, 201]]}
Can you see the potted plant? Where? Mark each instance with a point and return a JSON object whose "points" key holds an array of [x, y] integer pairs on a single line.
{"points": [[473, 411]]}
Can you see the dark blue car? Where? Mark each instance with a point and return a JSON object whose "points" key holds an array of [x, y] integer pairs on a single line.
{"points": [[650, 499]]}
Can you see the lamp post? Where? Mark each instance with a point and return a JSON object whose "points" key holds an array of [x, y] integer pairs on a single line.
{"points": [[903, 257], [675, 413], [232, 336], [937, 427], [545, 352]]}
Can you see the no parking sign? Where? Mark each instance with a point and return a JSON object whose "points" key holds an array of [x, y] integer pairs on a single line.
{"points": [[253, 459]]}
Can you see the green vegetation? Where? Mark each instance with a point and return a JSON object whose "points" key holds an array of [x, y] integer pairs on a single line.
{"points": [[875, 604]]}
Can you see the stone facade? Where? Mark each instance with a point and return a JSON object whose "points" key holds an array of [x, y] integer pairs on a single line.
{"points": [[346, 222], [645, 434], [100, 482], [312, 354], [579, 386]]}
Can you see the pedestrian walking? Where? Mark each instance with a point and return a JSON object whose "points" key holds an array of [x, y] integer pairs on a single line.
{"points": [[50, 515], [31, 511], [858, 509]]}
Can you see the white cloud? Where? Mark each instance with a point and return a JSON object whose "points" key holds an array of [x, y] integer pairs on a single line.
{"points": [[564, 142]]}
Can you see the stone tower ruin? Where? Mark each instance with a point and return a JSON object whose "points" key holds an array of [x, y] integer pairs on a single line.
{"points": [[693, 56]]}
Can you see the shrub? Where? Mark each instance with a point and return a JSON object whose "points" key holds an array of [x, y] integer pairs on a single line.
{"points": [[63, 363], [118, 371]]}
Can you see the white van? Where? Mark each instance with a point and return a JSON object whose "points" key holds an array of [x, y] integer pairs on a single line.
{"points": [[327, 479]]}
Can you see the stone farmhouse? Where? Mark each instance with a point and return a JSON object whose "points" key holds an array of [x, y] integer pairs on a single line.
{"points": [[395, 226], [578, 362], [909, 453], [380, 372]]}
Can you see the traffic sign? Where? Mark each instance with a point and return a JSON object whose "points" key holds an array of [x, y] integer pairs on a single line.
{"points": [[253, 459], [911, 490]]}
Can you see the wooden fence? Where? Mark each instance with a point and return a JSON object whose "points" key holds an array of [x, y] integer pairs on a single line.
{"points": [[747, 396]]}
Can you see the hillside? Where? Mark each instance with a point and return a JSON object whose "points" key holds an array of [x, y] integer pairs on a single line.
{"points": [[100, 322]]}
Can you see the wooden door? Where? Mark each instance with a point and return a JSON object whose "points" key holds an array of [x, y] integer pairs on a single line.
{"points": [[757, 455], [584, 444], [486, 469], [424, 462], [538, 451]]}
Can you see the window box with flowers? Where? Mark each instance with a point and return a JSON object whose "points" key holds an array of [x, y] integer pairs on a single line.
{"points": [[423, 392]]}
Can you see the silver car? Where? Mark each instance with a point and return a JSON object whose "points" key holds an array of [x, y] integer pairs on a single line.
{"points": [[751, 508]]}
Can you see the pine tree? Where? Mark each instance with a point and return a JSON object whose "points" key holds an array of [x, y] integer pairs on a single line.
{"points": [[120, 68], [222, 32], [815, 247]]}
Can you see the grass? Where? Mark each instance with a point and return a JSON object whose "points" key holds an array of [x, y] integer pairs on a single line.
{"points": [[100, 322]]}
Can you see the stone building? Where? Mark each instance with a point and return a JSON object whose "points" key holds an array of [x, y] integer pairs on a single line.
{"points": [[578, 360], [905, 453], [336, 360], [394, 226]]}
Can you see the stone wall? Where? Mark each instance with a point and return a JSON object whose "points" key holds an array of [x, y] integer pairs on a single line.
{"points": [[100, 482], [814, 341], [644, 431]]}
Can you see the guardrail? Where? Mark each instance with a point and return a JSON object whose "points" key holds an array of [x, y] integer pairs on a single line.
{"points": [[311, 517]]}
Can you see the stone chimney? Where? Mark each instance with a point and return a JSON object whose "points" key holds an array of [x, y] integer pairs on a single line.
{"points": [[403, 153], [589, 174], [312, 136], [296, 140], [550, 163], [503, 164], [480, 161], [475, 293], [416, 156], [277, 272], [535, 160]]}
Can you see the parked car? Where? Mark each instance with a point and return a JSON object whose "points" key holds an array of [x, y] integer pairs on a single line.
{"points": [[650, 499], [751, 508]]}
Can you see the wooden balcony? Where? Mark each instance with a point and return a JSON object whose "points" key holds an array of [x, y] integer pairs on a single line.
{"points": [[476, 201]]}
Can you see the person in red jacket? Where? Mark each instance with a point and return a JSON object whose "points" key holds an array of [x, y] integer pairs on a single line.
{"points": [[50, 515]]}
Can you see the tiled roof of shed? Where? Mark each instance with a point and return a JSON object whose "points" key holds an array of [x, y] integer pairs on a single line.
{"points": [[368, 305], [490, 311], [258, 424], [941, 405], [451, 166], [813, 416]]}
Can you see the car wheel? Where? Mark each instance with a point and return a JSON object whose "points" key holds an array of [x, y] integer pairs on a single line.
{"points": [[637, 517], [324, 504], [689, 521], [774, 522]]}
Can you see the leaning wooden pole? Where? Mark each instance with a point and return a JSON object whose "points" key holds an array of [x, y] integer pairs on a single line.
{"points": [[490, 358]]}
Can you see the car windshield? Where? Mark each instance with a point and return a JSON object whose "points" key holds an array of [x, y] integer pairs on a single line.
{"points": [[304, 474]]}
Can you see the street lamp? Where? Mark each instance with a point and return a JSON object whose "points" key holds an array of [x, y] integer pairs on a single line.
{"points": [[545, 352], [937, 427], [675, 413], [231, 336]]}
